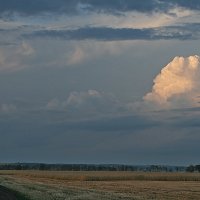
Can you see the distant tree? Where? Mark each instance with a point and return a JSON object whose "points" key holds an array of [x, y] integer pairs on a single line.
{"points": [[18, 166], [190, 168], [197, 167], [41, 166]]}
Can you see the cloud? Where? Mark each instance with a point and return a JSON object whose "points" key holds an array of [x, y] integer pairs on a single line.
{"points": [[84, 103], [82, 52], [76, 56], [15, 58], [187, 31], [95, 33], [53, 104], [41, 53], [7, 108], [142, 6], [192, 4], [110, 124], [30, 8], [177, 85], [42, 7], [25, 49]]}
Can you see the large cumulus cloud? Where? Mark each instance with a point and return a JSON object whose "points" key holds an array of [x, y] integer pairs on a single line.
{"points": [[177, 85]]}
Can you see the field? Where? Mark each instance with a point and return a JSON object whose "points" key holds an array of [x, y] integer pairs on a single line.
{"points": [[50, 185]]}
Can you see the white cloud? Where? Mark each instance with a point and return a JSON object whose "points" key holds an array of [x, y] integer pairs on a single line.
{"points": [[177, 85], [79, 98]]}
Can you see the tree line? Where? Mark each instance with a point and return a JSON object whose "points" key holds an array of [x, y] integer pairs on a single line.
{"points": [[193, 168], [90, 167]]}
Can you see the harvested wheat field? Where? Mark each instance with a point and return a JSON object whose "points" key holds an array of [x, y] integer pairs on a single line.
{"points": [[102, 185]]}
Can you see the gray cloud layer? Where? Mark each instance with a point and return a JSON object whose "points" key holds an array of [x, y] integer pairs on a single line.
{"points": [[30, 7], [181, 32], [114, 124], [129, 138]]}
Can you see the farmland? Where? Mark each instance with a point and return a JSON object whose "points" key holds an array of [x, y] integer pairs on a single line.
{"points": [[39, 185]]}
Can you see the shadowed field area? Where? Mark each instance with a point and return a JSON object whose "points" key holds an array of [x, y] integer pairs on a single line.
{"points": [[6, 194], [102, 185], [9, 194]]}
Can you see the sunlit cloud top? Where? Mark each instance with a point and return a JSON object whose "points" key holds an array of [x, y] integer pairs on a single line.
{"points": [[177, 84]]}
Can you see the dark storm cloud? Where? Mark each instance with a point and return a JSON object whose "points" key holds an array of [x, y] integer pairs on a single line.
{"points": [[34, 7], [182, 118], [141, 6], [182, 32], [127, 5], [48, 136], [37, 7], [114, 124], [99, 33], [189, 4], [30, 7], [186, 122], [58, 122]]}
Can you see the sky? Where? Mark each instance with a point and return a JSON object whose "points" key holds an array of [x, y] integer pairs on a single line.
{"points": [[100, 81]]}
